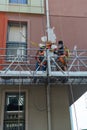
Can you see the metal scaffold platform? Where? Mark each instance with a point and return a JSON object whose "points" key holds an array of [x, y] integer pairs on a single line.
{"points": [[21, 69]]}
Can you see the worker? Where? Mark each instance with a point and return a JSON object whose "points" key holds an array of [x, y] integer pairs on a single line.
{"points": [[54, 48], [40, 58], [48, 45], [54, 57], [61, 56]]}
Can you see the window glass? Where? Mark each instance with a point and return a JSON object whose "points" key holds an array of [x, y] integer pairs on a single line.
{"points": [[16, 41], [17, 33], [15, 103], [18, 1]]}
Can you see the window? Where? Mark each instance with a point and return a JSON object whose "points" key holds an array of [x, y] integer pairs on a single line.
{"points": [[14, 115], [18, 1], [16, 41]]}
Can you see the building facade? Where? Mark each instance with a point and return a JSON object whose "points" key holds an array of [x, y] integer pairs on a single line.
{"points": [[24, 105]]}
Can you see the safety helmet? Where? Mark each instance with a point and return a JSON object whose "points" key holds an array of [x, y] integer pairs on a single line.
{"points": [[53, 47], [41, 45], [44, 38]]}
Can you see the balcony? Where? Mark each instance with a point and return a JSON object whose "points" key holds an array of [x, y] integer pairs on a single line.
{"points": [[20, 68]]}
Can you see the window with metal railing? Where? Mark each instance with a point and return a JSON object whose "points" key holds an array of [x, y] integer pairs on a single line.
{"points": [[14, 115]]}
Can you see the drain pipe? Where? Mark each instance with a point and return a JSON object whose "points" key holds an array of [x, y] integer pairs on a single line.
{"points": [[48, 107], [50, 31], [48, 91], [48, 69], [48, 19]]}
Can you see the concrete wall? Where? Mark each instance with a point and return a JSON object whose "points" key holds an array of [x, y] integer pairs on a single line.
{"points": [[72, 30], [36, 107], [69, 19], [68, 7], [60, 108]]}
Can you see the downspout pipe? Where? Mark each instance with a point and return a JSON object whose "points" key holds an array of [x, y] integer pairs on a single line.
{"points": [[48, 92], [50, 31], [48, 107], [48, 19], [48, 70]]}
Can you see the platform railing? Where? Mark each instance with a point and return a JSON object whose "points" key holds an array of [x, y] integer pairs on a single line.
{"points": [[23, 63], [76, 65]]}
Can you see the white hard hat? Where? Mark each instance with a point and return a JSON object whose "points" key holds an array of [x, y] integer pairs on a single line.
{"points": [[44, 38], [41, 45], [54, 47]]}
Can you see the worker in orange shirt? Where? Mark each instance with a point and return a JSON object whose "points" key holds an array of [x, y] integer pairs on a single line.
{"points": [[40, 58]]}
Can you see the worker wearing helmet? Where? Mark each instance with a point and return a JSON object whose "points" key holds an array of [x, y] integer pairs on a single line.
{"points": [[54, 56], [41, 63]]}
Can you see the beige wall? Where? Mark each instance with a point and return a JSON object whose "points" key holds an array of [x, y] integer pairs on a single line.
{"points": [[32, 6], [36, 108], [60, 108]]}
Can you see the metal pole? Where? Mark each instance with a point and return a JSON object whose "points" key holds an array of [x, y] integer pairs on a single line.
{"points": [[48, 107], [48, 92], [47, 14], [48, 19], [48, 69], [50, 31]]}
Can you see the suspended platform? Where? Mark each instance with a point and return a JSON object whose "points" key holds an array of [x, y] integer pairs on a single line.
{"points": [[24, 74], [15, 67]]}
